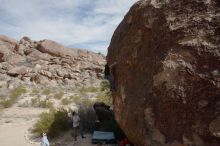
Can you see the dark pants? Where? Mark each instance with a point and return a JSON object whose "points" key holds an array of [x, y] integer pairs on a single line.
{"points": [[76, 131]]}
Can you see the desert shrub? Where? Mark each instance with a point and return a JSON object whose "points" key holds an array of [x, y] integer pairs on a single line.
{"points": [[54, 122], [58, 95], [43, 124], [14, 94], [6, 103], [103, 97], [2, 97], [17, 92], [105, 94], [60, 123], [105, 85], [88, 89], [1, 111], [65, 101], [43, 103], [86, 102], [46, 91], [26, 103], [76, 99], [34, 101], [34, 91]]}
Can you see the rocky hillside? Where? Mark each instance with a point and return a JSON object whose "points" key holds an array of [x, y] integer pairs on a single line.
{"points": [[168, 73], [48, 63]]}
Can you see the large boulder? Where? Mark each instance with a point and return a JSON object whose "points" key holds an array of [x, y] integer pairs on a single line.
{"points": [[20, 70], [15, 59], [55, 49], [7, 45], [37, 55], [8, 40], [168, 73]]}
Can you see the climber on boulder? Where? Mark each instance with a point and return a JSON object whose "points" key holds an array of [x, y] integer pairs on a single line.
{"points": [[109, 73]]}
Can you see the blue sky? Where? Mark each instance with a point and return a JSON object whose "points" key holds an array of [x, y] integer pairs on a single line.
{"points": [[86, 24]]}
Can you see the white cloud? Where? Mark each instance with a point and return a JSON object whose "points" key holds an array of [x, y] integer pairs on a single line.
{"points": [[88, 23]]}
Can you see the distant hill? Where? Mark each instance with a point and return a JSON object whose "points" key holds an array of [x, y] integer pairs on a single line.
{"points": [[46, 62]]}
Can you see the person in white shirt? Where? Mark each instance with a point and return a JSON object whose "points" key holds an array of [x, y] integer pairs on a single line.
{"points": [[76, 126], [44, 140]]}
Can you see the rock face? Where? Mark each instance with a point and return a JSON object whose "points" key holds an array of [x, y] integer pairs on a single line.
{"points": [[168, 73], [46, 62]]}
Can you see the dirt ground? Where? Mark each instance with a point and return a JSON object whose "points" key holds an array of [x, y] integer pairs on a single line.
{"points": [[14, 124]]}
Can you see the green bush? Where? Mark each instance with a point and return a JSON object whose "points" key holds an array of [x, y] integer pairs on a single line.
{"points": [[60, 123], [43, 124], [58, 95], [54, 123]]}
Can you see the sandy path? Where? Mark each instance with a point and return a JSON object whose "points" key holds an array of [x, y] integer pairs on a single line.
{"points": [[14, 122], [13, 134]]}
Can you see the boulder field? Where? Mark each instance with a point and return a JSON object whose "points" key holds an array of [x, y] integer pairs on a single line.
{"points": [[48, 63]]}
